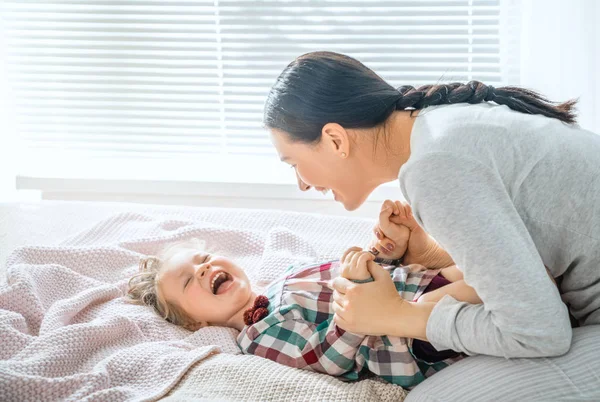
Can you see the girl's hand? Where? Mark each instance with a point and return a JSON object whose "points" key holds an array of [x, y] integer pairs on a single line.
{"points": [[354, 264], [372, 308]]}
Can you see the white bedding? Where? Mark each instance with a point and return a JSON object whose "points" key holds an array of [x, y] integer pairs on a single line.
{"points": [[226, 375]]}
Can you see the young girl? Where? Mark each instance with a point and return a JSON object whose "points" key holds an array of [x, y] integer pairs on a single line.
{"points": [[292, 322]]}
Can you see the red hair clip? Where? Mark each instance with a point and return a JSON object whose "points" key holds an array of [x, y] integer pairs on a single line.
{"points": [[258, 311]]}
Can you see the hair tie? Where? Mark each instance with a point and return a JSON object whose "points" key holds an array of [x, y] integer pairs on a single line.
{"points": [[491, 93], [258, 311]]}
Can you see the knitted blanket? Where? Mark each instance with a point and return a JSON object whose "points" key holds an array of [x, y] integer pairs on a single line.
{"points": [[68, 334]]}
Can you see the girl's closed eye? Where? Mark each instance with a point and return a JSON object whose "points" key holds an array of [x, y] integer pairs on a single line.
{"points": [[188, 280]]}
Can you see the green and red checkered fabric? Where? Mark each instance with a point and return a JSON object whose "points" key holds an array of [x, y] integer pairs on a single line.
{"points": [[299, 330]]}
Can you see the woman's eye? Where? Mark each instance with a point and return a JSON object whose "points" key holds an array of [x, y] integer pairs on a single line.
{"points": [[188, 281]]}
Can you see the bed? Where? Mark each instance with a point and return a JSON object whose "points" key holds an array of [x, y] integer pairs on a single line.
{"points": [[57, 235]]}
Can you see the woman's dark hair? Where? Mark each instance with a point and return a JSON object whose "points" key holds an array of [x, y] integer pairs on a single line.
{"points": [[325, 87]]}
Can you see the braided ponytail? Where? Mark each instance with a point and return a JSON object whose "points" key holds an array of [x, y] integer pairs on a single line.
{"points": [[322, 87], [519, 99]]}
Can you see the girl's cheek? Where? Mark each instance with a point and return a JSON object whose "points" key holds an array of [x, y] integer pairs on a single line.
{"points": [[196, 290]]}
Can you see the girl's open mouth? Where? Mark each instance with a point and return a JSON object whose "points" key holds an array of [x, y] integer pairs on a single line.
{"points": [[221, 282]]}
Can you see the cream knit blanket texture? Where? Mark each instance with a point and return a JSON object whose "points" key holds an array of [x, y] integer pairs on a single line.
{"points": [[68, 334]]}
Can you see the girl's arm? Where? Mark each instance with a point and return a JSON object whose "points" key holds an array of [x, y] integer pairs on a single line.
{"points": [[452, 273], [458, 290]]}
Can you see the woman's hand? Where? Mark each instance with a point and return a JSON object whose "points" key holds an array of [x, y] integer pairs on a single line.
{"points": [[420, 248], [354, 264], [372, 308], [392, 238]]}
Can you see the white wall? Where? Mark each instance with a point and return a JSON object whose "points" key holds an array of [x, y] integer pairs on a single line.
{"points": [[560, 53]]}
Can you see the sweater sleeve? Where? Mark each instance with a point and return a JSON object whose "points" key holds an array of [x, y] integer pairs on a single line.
{"points": [[465, 206]]}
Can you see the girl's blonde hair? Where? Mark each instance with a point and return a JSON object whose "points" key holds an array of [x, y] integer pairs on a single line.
{"points": [[144, 289]]}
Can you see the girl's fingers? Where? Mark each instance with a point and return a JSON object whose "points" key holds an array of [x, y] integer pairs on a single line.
{"points": [[408, 221], [356, 259], [388, 208], [391, 206], [355, 256], [363, 258], [391, 209], [387, 205], [361, 267], [388, 212], [345, 255], [350, 250], [401, 209], [349, 259]]}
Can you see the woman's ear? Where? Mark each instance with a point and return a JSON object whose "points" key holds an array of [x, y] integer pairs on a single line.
{"points": [[195, 326], [337, 138]]}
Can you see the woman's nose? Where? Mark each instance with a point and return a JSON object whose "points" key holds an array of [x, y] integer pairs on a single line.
{"points": [[302, 185]]}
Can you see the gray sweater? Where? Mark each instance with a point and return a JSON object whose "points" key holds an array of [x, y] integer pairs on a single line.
{"points": [[505, 193]]}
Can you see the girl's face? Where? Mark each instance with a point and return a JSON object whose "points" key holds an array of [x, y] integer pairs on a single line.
{"points": [[327, 166], [210, 289]]}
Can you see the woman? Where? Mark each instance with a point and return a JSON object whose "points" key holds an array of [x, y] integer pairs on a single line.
{"points": [[504, 187]]}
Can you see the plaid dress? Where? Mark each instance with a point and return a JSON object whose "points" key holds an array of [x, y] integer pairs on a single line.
{"points": [[300, 332]]}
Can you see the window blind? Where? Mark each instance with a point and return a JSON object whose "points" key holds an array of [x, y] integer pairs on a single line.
{"points": [[180, 85]]}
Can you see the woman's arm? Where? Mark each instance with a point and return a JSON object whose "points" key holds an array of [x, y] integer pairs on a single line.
{"points": [[435, 257], [466, 208]]}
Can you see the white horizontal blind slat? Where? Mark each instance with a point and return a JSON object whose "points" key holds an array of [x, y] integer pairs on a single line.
{"points": [[182, 79]]}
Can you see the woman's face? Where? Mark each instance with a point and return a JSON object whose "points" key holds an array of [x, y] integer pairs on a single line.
{"points": [[329, 165], [189, 279]]}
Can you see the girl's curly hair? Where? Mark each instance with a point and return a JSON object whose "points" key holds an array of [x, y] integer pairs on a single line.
{"points": [[144, 289]]}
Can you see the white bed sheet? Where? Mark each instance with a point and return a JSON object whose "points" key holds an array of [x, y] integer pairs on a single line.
{"points": [[224, 376]]}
